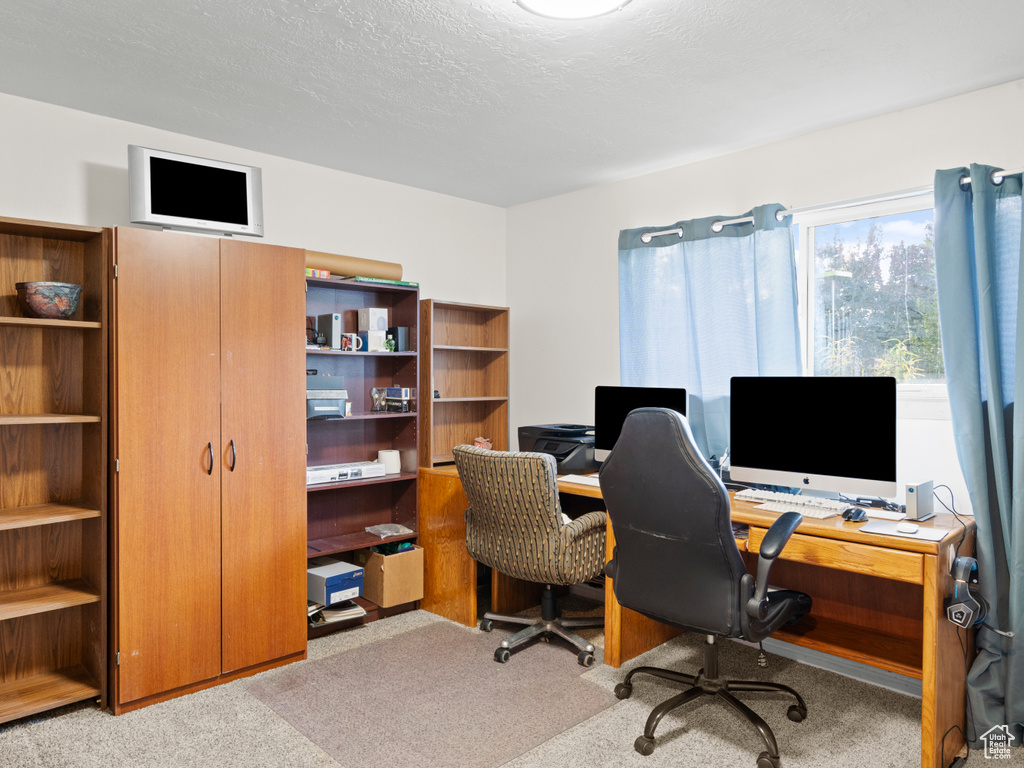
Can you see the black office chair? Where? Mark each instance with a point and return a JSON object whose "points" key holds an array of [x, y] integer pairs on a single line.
{"points": [[676, 561]]}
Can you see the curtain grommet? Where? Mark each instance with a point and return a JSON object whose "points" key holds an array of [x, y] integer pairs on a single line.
{"points": [[717, 226]]}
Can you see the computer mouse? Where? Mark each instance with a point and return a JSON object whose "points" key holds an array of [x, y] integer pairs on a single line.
{"points": [[854, 514], [906, 527]]}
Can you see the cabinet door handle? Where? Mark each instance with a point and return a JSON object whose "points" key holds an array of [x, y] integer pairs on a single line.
{"points": [[232, 465], [209, 447]]}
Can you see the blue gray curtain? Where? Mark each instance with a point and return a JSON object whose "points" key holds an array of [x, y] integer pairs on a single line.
{"points": [[977, 262], [698, 309]]}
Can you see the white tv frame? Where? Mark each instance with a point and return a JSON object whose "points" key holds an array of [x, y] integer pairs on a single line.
{"points": [[141, 203]]}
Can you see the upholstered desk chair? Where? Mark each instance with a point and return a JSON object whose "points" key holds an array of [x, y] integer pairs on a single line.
{"points": [[514, 524], [676, 561]]}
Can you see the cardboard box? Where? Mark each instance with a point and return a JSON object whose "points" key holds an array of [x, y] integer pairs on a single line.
{"points": [[392, 579], [330, 581]]}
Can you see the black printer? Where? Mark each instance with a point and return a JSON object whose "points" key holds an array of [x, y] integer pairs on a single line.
{"points": [[572, 445]]}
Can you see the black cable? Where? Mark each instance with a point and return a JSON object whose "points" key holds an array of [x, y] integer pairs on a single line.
{"points": [[951, 507]]}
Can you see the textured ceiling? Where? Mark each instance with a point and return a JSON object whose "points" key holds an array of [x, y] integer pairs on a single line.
{"points": [[481, 100]]}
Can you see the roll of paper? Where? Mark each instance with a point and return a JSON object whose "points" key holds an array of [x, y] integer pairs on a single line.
{"points": [[391, 460], [350, 266]]}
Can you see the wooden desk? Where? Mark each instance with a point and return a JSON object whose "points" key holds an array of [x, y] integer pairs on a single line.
{"points": [[878, 599]]}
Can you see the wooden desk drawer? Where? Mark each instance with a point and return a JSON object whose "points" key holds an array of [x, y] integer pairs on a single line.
{"points": [[847, 556]]}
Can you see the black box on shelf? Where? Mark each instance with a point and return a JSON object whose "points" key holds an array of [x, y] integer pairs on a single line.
{"points": [[400, 334], [326, 397]]}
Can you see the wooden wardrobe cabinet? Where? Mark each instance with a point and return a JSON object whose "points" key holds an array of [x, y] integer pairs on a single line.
{"points": [[208, 490]]}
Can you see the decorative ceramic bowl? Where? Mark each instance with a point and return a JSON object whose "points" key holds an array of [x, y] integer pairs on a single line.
{"points": [[57, 301]]}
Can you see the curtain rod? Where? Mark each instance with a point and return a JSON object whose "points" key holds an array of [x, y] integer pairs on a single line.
{"points": [[718, 226]]}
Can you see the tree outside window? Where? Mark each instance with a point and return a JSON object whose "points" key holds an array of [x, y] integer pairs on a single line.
{"points": [[874, 310]]}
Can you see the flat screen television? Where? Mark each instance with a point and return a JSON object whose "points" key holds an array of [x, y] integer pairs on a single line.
{"points": [[822, 433], [613, 404], [195, 194]]}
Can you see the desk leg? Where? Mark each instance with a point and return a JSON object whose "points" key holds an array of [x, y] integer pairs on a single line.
{"points": [[943, 668], [449, 573], [510, 595], [627, 633]]}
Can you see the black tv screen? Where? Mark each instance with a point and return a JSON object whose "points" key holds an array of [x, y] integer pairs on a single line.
{"points": [[613, 404], [194, 191]]}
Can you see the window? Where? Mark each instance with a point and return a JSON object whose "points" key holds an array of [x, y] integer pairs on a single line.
{"points": [[869, 301]]}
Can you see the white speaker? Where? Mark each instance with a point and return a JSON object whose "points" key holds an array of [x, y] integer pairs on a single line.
{"points": [[919, 501]]}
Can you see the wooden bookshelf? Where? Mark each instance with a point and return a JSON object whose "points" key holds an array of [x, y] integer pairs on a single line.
{"points": [[465, 349], [53, 497], [338, 513]]}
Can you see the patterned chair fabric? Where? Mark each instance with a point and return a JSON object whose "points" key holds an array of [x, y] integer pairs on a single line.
{"points": [[514, 522]]}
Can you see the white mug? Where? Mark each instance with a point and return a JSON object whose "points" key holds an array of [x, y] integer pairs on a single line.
{"points": [[350, 342], [391, 460]]}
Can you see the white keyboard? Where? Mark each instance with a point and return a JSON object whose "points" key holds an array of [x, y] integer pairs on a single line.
{"points": [[808, 506], [582, 479]]}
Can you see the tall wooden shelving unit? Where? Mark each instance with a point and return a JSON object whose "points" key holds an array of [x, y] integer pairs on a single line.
{"points": [[467, 367], [338, 513], [53, 457]]}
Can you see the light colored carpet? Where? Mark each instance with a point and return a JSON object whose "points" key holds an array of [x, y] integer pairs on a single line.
{"points": [[849, 723], [434, 698]]}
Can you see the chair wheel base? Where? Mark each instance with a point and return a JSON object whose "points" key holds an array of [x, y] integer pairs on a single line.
{"points": [[486, 625], [645, 746], [502, 655], [623, 691], [764, 760], [796, 713], [585, 658]]}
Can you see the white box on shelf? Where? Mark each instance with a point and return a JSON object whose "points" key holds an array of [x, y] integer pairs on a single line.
{"points": [[373, 319], [333, 473], [373, 341]]}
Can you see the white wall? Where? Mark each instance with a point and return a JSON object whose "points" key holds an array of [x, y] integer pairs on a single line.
{"points": [[62, 165], [562, 251]]}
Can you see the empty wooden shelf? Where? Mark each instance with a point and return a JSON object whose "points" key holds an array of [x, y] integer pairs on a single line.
{"points": [[464, 379]]}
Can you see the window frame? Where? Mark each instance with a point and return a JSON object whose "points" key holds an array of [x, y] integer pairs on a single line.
{"points": [[914, 400]]}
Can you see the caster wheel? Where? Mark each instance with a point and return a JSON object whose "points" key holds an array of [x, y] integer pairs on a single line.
{"points": [[623, 691], [796, 713], [764, 760], [502, 655], [486, 625], [645, 746], [585, 659]]}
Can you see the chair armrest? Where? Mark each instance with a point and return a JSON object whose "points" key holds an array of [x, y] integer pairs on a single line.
{"points": [[584, 523], [771, 547]]}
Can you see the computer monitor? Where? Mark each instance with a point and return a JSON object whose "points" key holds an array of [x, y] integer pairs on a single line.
{"points": [[823, 433], [613, 404]]}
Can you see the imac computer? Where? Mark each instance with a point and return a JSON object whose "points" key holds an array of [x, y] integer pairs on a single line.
{"points": [[822, 433], [613, 404]]}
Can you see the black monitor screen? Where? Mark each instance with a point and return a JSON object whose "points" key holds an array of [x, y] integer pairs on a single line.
{"points": [[613, 404], [195, 191], [826, 426]]}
